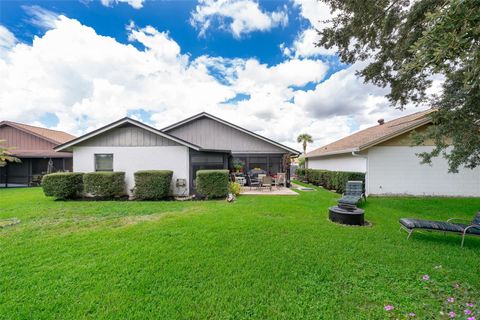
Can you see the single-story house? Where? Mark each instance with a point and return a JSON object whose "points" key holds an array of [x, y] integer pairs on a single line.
{"points": [[34, 147], [199, 142], [385, 153]]}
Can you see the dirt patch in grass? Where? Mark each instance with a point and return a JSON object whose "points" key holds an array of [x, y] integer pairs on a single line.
{"points": [[65, 224]]}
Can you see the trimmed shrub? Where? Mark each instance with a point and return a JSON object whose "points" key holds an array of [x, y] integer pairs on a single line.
{"points": [[212, 183], [300, 172], [152, 184], [63, 185], [234, 188], [333, 180], [104, 184]]}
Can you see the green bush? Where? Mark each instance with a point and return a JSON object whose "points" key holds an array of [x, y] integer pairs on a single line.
{"points": [[152, 184], [104, 184], [332, 180], [212, 183], [234, 188], [63, 185], [300, 172]]}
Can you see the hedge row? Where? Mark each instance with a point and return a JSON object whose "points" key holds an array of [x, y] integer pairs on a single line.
{"points": [[149, 184], [70, 185], [104, 185], [152, 184], [212, 183], [332, 180], [63, 185]]}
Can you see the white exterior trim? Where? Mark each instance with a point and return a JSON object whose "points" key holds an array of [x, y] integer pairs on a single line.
{"points": [[132, 159]]}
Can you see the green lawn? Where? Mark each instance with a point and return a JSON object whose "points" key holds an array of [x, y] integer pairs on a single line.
{"points": [[262, 257]]}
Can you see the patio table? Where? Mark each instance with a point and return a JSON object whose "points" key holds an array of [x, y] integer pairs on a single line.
{"points": [[241, 180]]}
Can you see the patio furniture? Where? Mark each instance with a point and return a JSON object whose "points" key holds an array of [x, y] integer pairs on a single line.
{"points": [[351, 217], [261, 176], [256, 171], [471, 228], [267, 182], [241, 180], [280, 179], [253, 182], [353, 195]]}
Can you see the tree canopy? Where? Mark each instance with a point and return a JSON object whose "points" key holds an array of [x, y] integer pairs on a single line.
{"points": [[5, 155], [304, 139], [406, 45]]}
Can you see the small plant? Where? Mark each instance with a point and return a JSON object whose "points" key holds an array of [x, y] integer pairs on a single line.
{"points": [[64, 185], [238, 165], [234, 188]]}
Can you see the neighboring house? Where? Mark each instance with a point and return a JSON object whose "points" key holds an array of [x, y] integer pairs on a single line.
{"points": [[34, 147], [200, 142], [391, 164]]}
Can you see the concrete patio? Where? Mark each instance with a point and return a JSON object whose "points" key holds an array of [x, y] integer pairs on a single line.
{"points": [[280, 191]]}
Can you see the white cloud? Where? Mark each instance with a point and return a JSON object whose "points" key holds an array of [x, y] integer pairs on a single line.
{"points": [[87, 80], [158, 43], [137, 4], [237, 16], [40, 17], [304, 45], [316, 13], [345, 96], [341, 95], [7, 40]]}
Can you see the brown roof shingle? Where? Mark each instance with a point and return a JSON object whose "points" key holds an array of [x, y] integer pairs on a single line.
{"points": [[369, 137], [55, 136]]}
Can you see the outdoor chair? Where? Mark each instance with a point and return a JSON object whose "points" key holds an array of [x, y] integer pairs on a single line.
{"points": [[280, 179], [267, 182], [353, 195], [471, 228], [252, 183], [260, 176]]}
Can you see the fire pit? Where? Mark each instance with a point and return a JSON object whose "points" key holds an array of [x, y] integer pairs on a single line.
{"points": [[347, 216]]}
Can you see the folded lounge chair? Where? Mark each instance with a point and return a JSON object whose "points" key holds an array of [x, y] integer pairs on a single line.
{"points": [[353, 195], [472, 228]]}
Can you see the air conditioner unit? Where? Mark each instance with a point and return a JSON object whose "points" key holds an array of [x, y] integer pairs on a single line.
{"points": [[181, 183]]}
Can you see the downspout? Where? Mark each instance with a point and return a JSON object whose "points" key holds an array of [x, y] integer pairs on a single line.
{"points": [[355, 154]]}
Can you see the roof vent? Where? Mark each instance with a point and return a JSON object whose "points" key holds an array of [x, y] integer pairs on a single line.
{"points": [[381, 121]]}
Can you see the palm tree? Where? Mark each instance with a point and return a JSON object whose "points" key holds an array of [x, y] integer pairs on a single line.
{"points": [[304, 138], [5, 155]]}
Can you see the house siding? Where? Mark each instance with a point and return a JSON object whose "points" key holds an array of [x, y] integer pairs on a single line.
{"points": [[211, 134], [396, 170], [340, 162], [128, 136], [132, 159]]}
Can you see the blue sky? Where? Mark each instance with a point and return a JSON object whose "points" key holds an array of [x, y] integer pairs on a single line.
{"points": [[75, 65], [162, 15]]}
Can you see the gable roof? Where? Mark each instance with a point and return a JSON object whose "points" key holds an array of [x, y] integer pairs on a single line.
{"points": [[118, 123], [54, 136], [372, 136], [231, 125]]}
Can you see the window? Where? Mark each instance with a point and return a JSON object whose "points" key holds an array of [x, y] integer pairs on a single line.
{"points": [[104, 162]]}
